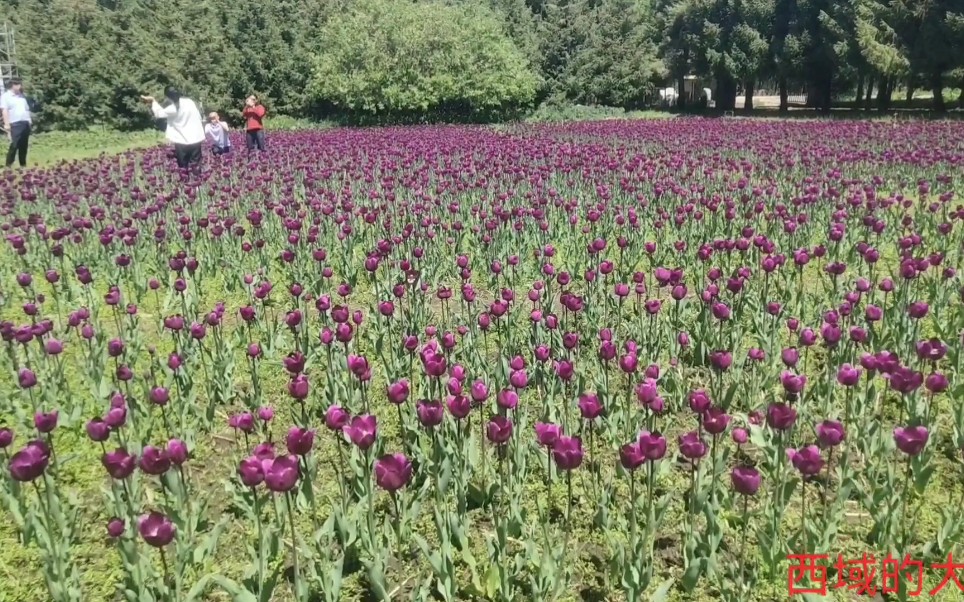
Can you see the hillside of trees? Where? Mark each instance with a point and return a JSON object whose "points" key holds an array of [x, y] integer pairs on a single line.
{"points": [[87, 60]]}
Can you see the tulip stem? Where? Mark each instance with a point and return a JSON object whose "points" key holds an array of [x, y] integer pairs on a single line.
{"points": [[294, 546], [397, 523], [569, 505], [632, 509], [45, 506], [261, 550], [167, 569], [742, 559], [803, 514]]}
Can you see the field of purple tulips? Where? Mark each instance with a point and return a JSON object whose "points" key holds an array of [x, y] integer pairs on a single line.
{"points": [[651, 360]]}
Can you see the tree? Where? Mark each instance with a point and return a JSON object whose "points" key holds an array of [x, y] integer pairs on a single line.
{"points": [[604, 54], [389, 59]]}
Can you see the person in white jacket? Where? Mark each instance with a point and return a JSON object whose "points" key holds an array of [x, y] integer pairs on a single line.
{"points": [[184, 127]]}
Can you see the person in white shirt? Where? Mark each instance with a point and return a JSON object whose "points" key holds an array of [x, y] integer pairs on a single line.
{"points": [[16, 121], [217, 132], [184, 127]]}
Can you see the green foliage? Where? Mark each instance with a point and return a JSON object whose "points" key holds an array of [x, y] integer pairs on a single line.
{"points": [[552, 113], [391, 58], [88, 60], [602, 53], [468, 60]]}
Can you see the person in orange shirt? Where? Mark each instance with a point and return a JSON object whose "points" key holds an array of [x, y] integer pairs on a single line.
{"points": [[253, 114]]}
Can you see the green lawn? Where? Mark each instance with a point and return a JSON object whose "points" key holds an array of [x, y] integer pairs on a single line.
{"points": [[48, 148]]}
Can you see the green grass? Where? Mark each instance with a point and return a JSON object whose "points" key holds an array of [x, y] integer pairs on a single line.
{"points": [[48, 148], [559, 113]]}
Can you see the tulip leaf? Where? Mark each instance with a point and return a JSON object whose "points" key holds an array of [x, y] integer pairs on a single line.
{"points": [[230, 587], [662, 592], [692, 575]]}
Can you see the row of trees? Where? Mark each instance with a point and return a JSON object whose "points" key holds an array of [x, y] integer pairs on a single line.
{"points": [[827, 47], [407, 59]]}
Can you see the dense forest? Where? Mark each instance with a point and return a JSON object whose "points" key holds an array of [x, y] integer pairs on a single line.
{"points": [[87, 60]]}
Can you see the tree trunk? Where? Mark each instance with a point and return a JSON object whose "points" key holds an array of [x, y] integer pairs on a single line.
{"points": [[869, 94], [725, 91], [909, 97], [785, 97], [681, 91], [820, 94], [748, 102], [859, 96], [937, 86], [884, 91]]}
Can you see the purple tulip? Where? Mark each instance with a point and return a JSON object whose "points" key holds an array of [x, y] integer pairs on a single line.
{"points": [[154, 461], [119, 463], [459, 406], [745, 479], [589, 406], [392, 472], [115, 527], [567, 452], [298, 387], [631, 456], [479, 392], [336, 418], [647, 391], [26, 378], [911, 440], [936, 383], [294, 363], [651, 445], [499, 430], [917, 310], [507, 399], [699, 401], [6, 437], [361, 431], [905, 381], [691, 446], [398, 392], [281, 474], [45, 422], [30, 462], [116, 417], [156, 529], [792, 383], [299, 441], [430, 413], [715, 421], [830, 433], [177, 452], [251, 471], [159, 396], [780, 416], [848, 375], [807, 460], [97, 430], [244, 422], [519, 379], [721, 360], [932, 350], [547, 434], [739, 436]]}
